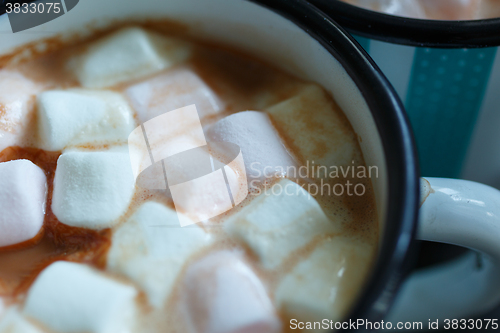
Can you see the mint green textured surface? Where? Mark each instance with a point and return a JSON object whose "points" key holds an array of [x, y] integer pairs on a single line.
{"points": [[364, 42], [444, 97]]}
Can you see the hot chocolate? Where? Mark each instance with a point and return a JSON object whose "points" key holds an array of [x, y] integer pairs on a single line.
{"points": [[87, 247]]}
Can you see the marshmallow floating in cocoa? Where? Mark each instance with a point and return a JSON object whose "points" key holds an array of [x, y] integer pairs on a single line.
{"points": [[71, 297], [314, 125], [407, 8], [172, 90], [92, 189], [151, 248], [16, 108], [23, 190], [15, 322], [278, 222], [263, 151], [221, 294], [78, 117], [325, 283], [128, 54]]}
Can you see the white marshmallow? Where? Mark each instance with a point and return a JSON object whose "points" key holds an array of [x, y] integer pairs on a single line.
{"points": [[16, 108], [69, 297], [172, 90], [23, 189], [325, 284], [316, 127], [77, 116], [92, 189], [278, 222], [126, 55], [263, 151], [151, 248], [15, 322], [221, 294], [139, 155]]}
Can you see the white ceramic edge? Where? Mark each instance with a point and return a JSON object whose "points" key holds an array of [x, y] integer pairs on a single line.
{"points": [[462, 213]]}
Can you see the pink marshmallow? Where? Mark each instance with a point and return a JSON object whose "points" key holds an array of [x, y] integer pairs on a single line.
{"points": [[221, 294], [434, 9], [263, 151], [451, 9], [172, 90], [2, 307], [16, 107], [407, 8], [23, 190]]}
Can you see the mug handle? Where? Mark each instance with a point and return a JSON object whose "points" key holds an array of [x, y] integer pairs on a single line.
{"points": [[466, 214]]}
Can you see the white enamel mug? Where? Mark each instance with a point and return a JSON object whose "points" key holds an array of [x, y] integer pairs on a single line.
{"points": [[299, 39]]}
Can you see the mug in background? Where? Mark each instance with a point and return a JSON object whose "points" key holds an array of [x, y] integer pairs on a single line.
{"points": [[447, 73], [300, 39]]}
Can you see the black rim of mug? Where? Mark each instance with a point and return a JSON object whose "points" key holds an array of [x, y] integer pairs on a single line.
{"points": [[396, 253], [414, 32], [397, 249]]}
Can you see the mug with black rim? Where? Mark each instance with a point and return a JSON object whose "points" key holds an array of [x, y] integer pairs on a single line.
{"points": [[299, 38], [448, 75]]}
